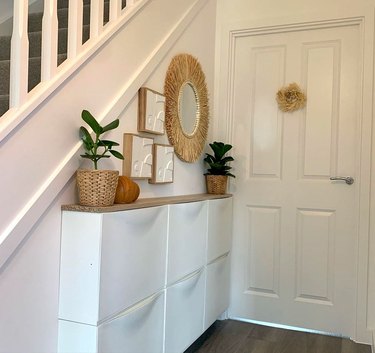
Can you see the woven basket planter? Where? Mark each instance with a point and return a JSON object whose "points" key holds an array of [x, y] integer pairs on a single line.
{"points": [[97, 187], [216, 184]]}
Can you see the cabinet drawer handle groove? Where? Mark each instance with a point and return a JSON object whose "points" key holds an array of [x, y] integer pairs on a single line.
{"points": [[187, 277], [219, 258], [139, 305]]}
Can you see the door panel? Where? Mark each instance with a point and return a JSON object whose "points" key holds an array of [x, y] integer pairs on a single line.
{"points": [[315, 256], [295, 238], [263, 265]]}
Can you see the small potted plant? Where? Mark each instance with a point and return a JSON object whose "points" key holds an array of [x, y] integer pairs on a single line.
{"points": [[97, 187], [218, 171]]}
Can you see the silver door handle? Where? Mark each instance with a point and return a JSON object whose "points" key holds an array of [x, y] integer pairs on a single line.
{"points": [[349, 180]]}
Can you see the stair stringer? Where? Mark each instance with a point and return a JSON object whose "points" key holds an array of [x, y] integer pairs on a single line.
{"points": [[45, 167]]}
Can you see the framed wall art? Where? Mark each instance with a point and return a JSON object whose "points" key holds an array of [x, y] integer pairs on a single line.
{"points": [[162, 164], [151, 111], [138, 156]]}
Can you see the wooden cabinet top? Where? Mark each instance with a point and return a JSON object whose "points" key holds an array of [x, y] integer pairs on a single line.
{"points": [[144, 203]]}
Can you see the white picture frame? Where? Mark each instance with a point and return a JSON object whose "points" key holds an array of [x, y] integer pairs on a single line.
{"points": [[137, 162], [162, 164], [151, 111]]}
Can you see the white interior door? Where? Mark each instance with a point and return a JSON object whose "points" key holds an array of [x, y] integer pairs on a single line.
{"points": [[295, 232]]}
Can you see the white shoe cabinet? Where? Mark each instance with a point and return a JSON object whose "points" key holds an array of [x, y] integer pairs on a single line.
{"points": [[149, 277]]}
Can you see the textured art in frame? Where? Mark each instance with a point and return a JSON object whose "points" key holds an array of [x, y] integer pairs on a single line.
{"points": [[151, 111], [138, 156], [162, 164]]}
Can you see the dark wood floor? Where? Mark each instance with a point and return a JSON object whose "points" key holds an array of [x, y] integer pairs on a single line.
{"points": [[231, 336]]}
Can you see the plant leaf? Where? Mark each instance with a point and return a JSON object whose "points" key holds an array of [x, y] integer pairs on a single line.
{"points": [[209, 159], [113, 125], [86, 138], [217, 162], [116, 154], [92, 122], [107, 143], [227, 159], [220, 149]]}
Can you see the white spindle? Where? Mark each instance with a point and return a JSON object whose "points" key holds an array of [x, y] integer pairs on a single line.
{"points": [[75, 27], [49, 39], [114, 10], [96, 18], [19, 61]]}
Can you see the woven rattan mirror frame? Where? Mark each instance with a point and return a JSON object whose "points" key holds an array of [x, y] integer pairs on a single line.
{"points": [[184, 68]]}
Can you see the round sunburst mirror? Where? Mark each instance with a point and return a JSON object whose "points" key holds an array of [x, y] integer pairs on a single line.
{"points": [[186, 107]]}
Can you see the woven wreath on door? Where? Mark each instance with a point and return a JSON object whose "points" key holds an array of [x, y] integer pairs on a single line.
{"points": [[291, 98]]}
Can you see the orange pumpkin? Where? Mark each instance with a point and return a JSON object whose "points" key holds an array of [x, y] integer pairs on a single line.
{"points": [[127, 190]]}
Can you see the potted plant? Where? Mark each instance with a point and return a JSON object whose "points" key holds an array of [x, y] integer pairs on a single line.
{"points": [[218, 171], [97, 187]]}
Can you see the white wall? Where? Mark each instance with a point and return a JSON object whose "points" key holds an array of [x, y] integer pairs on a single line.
{"points": [[245, 14], [29, 280]]}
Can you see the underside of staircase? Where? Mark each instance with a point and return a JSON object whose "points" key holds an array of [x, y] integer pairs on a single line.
{"points": [[35, 46]]}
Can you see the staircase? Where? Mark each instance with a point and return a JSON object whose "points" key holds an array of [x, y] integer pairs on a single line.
{"points": [[35, 46]]}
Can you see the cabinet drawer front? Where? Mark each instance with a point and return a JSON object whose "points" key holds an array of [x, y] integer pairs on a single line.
{"points": [[184, 313], [75, 337], [133, 257], [217, 289], [138, 331], [219, 228], [80, 267], [187, 239]]}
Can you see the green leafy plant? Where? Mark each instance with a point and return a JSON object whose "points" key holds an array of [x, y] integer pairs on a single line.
{"points": [[218, 162], [97, 148]]}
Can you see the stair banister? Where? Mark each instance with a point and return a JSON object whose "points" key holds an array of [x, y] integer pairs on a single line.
{"points": [[96, 18], [49, 40], [19, 62], [75, 22], [52, 75], [114, 10]]}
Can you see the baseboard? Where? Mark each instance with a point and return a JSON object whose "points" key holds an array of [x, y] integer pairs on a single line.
{"points": [[373, 342], [224, 316]]}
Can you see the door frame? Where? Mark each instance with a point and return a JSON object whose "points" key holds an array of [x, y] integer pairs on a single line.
{"points": [[223, 128]]}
